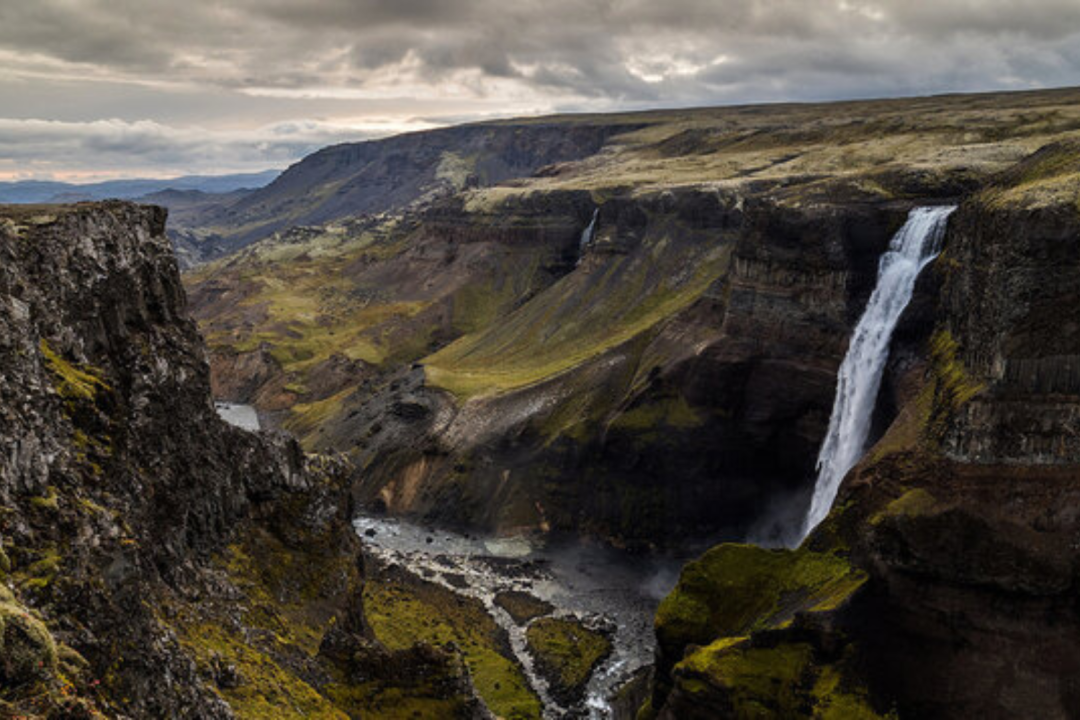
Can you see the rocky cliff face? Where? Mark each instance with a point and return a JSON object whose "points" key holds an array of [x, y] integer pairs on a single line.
{"points": [[669, 377], [683, 423], [155, 562], [944, 582]]}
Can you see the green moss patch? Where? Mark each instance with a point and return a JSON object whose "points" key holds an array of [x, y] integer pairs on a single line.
{"points": [[911, 504], [566, 654], [377, 699], [777, 681], [759, 682], [733, 590], [305, 418], [39, 677], [72, 382], [50, 501], [403, 611], [672, 412], [28, 652], [835, 697], [922, 422], [954, 385], [38, 568], [263, 688]]}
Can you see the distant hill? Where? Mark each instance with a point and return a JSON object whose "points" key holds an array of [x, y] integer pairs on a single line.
{"points": [[390, 174], [38, 191]]}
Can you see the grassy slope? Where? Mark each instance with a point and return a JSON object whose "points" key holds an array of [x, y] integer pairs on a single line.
{"points": [[579, 318]]}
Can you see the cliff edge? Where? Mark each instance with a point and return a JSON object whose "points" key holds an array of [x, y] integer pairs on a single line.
{"points": [[155, 561]]}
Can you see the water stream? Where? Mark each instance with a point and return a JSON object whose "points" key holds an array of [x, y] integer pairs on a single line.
{"points": [[602, 587], [913, 247], [587, 234], [606, 589], [242, 416]]}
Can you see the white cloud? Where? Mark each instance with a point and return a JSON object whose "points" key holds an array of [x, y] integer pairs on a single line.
{"points": [[226, 72], [47, 148]]}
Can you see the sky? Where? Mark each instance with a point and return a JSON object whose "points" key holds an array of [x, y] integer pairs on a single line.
{"points": [[95, 89]]}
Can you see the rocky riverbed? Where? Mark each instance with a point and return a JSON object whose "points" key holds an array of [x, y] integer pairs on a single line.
{"points": [[607, 591]]}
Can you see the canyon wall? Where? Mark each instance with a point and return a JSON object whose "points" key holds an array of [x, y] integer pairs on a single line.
{"points": [[669, 376], [943, 584], [703, 331], [154, 561]]}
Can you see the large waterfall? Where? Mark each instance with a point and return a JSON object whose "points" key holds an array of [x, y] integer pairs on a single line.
{"points": [[913, 247]]}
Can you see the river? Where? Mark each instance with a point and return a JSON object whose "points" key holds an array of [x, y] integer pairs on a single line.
{"points": [[605, 588], [242, 416]]}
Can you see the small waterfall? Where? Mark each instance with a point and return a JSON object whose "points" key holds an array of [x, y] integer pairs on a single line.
{"points": [[587, 234], [913, 247]]}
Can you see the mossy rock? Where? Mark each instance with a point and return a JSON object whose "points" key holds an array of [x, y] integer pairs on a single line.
{"points": [[263, 687], [27, 649], [753, 682], [404, 610], [377, 699], [50, 501], [781, 680], [737, 633], [913, 503], [566, 654], [523, 607], [72, 382], [733, 590]]}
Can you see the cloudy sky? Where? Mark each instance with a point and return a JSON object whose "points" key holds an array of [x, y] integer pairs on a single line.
{"points": [[106, 88]]}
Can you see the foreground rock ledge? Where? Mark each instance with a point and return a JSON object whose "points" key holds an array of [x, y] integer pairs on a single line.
{"points": [[154, 561]]}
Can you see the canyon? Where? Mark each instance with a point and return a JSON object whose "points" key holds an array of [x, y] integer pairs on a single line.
{"points": [[490, 356]]}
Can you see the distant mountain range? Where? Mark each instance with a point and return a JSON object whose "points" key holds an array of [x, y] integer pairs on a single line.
{"points": [[39, 191]]}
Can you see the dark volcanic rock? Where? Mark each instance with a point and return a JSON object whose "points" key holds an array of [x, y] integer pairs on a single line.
{"points": [[699, 425], [142, 537], [962, 519]]}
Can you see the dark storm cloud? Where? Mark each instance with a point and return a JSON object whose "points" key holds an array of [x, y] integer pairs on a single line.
{"points": [[483, 56], [587, 47]]}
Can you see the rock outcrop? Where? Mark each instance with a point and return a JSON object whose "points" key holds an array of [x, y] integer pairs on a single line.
{"points": [[154, 561], [949, 560]]}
